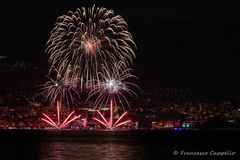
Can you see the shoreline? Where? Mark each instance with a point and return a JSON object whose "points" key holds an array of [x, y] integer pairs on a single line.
{"points": [[198, 138]]}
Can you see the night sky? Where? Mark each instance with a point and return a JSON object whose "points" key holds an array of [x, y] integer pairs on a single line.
{"points": [[180, 45]]}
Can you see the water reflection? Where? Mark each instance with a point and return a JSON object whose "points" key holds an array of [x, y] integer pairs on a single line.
{"points": [[58, 150]]}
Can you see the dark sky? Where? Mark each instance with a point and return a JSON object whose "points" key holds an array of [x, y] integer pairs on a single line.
{"points": [[193, 45]]}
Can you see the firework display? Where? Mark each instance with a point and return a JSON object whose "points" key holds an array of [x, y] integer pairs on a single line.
{"points": [[90, 49], [60, 125], [90, 38], [63, 88], [114, 86], [109, 124]]}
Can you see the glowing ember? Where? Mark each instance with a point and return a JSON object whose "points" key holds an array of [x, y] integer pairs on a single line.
{"points": [[60, 125], [109, 124]]}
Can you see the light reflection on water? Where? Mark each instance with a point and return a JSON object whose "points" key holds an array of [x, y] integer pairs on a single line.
{"points": [[19, 145], [77, 149], [88, 151]]}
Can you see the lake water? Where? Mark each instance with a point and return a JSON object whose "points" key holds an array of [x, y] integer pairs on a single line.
{"points": [[56, 146], [75, 150]]}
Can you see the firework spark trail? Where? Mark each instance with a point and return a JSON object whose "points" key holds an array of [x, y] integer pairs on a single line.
{"points": [[106, 125], [120, 124], [71, 120], [89, 38], [63, 88], [49, 122], [109, 124], [111, 114], [113, 86], [67, 118], [53, 125], [119, 119], [58, 111], [102, 117], [60, 125]]}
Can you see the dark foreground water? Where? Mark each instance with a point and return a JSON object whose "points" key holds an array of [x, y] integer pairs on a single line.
{"points": [[131, 145]]}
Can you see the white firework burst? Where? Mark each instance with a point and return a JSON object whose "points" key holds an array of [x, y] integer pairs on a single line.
{"points": [[63, 88], [90, 37], [114, 86]]}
